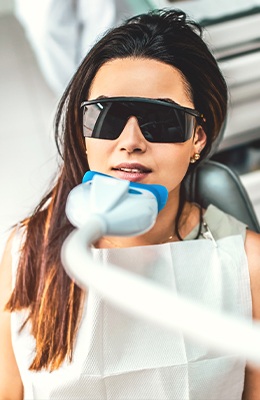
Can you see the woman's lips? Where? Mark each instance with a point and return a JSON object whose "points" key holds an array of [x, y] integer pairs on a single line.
{"points": [[131, 172]]}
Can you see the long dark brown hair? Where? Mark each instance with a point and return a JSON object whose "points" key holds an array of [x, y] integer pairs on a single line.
{"points": [[42, 287]]}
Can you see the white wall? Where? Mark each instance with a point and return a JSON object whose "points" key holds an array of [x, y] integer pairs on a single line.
{"points": [[6, 6]]}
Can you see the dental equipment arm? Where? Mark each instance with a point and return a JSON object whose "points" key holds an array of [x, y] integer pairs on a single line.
{"points": [[117, 208]]}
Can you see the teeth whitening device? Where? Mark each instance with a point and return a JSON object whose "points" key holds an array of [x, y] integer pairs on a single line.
{"points": [[103, 205]]}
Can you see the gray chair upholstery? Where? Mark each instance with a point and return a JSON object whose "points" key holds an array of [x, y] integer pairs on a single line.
{"points": [[215, 183]]}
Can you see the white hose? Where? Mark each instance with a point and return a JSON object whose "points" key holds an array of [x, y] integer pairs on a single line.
{"points": [[222, 332]]}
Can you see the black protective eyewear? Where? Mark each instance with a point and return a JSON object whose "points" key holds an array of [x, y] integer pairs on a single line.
{"points": [[160, 121]]}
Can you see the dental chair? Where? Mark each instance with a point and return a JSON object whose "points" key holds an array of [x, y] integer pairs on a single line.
{"points": [[215, 183]]}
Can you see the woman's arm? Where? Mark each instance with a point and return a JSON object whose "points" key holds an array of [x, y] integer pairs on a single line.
{"points": [[11, 387], [252, 245]]}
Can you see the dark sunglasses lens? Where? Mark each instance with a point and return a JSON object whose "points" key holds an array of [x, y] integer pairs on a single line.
{"points": [[164, 124], [101, 120], [158, 123]]}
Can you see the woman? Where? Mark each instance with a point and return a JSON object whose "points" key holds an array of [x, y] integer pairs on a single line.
{"points": [[154, 69]]}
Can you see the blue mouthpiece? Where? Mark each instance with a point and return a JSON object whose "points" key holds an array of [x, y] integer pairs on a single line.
{"points": [[159, 191]]}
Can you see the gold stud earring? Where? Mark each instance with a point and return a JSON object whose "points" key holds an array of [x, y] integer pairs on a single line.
{"points": [[195, 158]]}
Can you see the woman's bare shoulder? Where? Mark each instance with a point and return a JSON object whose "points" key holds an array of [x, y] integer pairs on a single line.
{"points": [[252, 242], [10, 383], [6, 270], [252, 246]]}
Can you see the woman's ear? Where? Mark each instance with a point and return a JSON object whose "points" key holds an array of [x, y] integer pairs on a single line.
{"points": [[199, 139], [199, 142]]}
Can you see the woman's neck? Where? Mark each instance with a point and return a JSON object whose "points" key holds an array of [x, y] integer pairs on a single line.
{"points": [[164, 229]]}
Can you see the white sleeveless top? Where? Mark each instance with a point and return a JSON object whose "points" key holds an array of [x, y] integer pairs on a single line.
{"points": [[118, 357]]}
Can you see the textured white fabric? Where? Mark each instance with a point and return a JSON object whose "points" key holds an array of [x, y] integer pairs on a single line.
{"points": [[118, 357]]}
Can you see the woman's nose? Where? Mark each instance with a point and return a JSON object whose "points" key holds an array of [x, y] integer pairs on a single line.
{"points": [[131, 139]]}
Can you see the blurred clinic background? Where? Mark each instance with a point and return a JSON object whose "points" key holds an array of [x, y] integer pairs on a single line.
{"points": [[42, 42]]}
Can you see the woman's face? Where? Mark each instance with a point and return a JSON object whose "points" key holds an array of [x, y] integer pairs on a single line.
{"points": [[131, 156]]}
